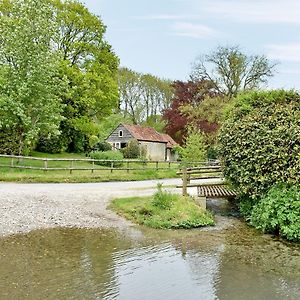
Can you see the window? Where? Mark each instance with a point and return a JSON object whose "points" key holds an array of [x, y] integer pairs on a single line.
{"points": [[120, 133]]}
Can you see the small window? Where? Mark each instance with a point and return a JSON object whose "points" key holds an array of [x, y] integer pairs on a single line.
{"points": [[120, 133]]}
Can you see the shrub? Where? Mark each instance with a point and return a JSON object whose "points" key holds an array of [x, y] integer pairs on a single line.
{"points": [[102, 146], [279, 212], [163, 199], [132, 150], [260, 141], [9, 142], [54, 144], [107, 155], [194, 149]]}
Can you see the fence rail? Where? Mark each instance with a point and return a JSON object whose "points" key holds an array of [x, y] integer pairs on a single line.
{"points": [[88, 164]]}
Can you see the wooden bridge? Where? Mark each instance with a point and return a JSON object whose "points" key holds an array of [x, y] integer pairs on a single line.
{"points": [[194, 176]]}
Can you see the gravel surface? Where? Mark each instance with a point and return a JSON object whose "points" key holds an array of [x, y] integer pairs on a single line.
{"points": [[26, 207]]}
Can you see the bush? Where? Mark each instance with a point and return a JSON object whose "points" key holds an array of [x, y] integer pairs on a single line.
{"points": [[260, 141], [279, 212], [9, 142], [54, 144], [132, 150], [194, 149], [163, 199], [107, 155], [102, 146]]}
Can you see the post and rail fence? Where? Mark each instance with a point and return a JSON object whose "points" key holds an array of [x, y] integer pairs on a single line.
{"points": [[87, 164]]}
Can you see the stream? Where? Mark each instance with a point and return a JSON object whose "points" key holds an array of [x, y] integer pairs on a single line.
{"points": [[234, 262]]}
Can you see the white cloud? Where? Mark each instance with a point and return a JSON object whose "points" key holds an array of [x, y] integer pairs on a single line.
{"points": [[287, 52], [257, 11], [193, 30], [168, 17]]}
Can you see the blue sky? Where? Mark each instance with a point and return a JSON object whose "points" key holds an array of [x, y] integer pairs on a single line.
{"points": [[165, 37]]}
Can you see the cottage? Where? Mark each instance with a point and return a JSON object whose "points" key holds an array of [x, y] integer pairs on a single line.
{"points": [[157, 146]]}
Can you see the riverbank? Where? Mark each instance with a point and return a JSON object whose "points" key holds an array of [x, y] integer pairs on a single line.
{"points": [[27, 207]]}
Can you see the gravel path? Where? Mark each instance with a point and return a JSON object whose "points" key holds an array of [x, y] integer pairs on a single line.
{"points": [[26, 207]]}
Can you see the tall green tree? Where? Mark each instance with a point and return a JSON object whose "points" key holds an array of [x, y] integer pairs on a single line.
{"points": [[91, 68], [233, 71], [29, 81], [143, 97]]}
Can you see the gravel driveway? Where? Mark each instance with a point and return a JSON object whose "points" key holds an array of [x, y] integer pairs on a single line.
{"points": [[26, 207]]}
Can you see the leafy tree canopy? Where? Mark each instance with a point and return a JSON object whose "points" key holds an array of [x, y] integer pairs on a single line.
{"points": [[29, 77], [232, 71]]}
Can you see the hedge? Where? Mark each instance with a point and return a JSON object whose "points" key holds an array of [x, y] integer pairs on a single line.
{"points": [[260, 141]]}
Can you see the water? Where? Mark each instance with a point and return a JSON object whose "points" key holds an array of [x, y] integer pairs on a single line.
{"points": [[233, 263]]}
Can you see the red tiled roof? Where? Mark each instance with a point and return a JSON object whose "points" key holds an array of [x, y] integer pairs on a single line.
{"points": [[147, 134], [170, 142]]}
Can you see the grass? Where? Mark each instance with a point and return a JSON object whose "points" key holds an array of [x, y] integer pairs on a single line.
{"points": [[163, 210], [57, 176]]}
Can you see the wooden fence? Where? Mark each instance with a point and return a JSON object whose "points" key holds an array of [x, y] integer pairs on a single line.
{"points": [[77, 164], [210, 170]]}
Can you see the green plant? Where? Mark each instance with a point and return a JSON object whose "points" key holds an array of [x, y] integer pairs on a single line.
{"points": [[102, 146], [179, 212], [279, 212], [194, 149], [132, 150], [163, 199], [260, 141], [53, 144], [9, 142], [114, 156]]}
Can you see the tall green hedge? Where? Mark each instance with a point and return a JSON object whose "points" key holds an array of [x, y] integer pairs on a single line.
{"points": [[260, 141]]}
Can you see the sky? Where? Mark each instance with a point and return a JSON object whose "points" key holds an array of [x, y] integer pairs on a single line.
{"points": [[164, 37]]}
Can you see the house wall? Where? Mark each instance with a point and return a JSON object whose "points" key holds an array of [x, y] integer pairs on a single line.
{"points": [[171, 155], [115, 138], [154, 150]]}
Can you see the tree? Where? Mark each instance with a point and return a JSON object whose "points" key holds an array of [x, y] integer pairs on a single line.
{"points": [[194, 149], [91, 68], [192, 94], [231, 71], [143, 97], [29, 83]]}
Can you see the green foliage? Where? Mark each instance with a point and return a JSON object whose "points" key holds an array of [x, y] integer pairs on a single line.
{"points": [[29, 79], [52, 144], [115, 156], [260, 141], [102, 146], [143, 96], [232, 71], [279, 212], [91, 67], [164, 210], [163, 199], [9, 142], [132, 150], [194, 149]]}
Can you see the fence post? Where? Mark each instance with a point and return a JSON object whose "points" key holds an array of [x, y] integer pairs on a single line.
{"points": [[127, 166], [45, 165], [93, 166], [12, 162], [111, 166], [184, 181], [156, 166], [71, 166]]}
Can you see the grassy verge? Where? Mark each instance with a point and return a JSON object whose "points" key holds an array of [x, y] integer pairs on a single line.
{"points": [[163, 210], [57, 176], [34, 176]]}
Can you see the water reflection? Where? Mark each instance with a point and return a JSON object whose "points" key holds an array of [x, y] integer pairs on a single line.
{"points": [[235, 263]]}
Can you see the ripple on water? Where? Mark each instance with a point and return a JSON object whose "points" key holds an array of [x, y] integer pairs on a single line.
{"points": [[236, 263]]}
